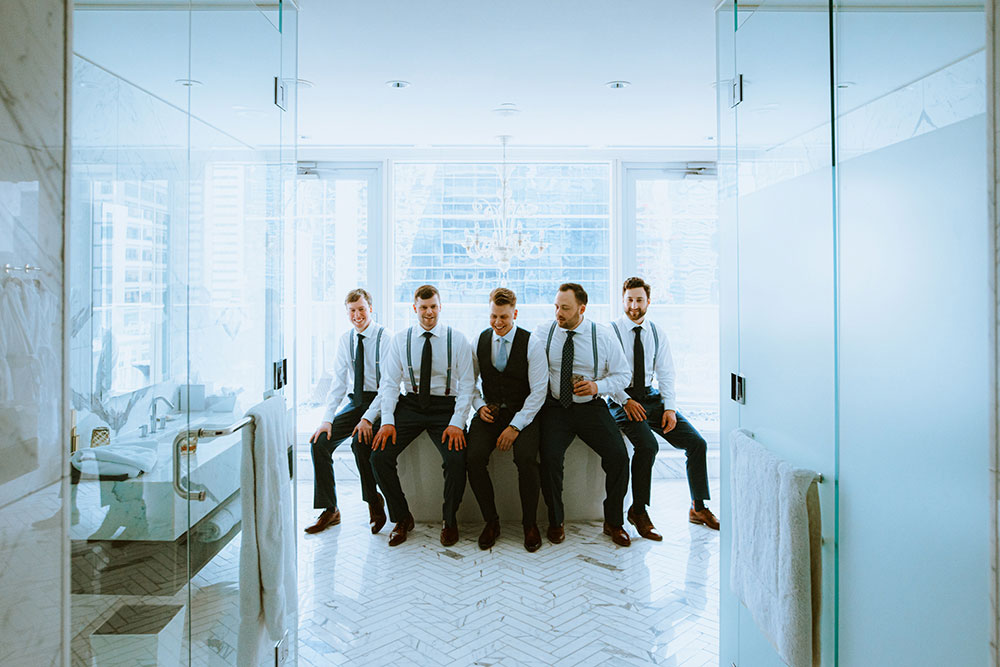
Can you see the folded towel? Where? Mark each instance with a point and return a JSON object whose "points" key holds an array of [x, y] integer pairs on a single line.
{"points": [[131, 460], [776, 558], [221, 522], [268, 594]]}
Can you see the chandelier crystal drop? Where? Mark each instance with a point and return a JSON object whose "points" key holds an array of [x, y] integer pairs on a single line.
{"points": [[507, 241]]}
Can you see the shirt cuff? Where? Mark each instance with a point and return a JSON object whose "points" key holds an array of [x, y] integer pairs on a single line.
{"points": [[370, 414], [602, 386], [518, 422], [455, 421], [669, 405], [328, 415], [478, 402]]}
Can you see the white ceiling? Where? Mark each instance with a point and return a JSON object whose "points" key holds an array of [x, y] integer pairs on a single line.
{"points": [[464, 58]]}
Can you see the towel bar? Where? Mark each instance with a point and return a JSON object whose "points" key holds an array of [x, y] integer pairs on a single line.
{"points": [[189, 439], [819, 475]]}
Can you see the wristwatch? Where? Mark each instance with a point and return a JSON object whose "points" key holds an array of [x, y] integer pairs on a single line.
{"points": [[514, 427]]}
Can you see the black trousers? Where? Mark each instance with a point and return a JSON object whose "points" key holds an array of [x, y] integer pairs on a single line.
{"points": [[593, 423], [411, 421], [683, 436], [324, 486], [482, 441]]}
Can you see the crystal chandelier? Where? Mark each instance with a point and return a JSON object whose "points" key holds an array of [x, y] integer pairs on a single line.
{"points": [[507, 241]]}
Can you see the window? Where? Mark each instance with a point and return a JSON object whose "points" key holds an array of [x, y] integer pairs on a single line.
{"points": [[565, 207], [672, 222], [132, 253]]}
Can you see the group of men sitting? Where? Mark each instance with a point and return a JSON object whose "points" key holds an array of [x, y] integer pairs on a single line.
{"points": [[532, 392]]}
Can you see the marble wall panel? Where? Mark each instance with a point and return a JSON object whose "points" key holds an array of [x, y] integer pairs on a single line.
{"points": [[32, 541], [32, 130]]}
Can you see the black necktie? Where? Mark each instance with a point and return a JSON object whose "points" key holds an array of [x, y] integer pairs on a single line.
{"points": [[566, 372], [425, 372], [638, 363], [359, 370]]}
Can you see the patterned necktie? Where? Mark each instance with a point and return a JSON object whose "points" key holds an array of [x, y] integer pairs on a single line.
{"points": [[501, 356], [566, 372], [638, 363], [425, 372], [359, 370]]}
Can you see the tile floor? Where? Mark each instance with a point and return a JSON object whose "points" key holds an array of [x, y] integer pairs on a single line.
{"points": [[584, 602]]}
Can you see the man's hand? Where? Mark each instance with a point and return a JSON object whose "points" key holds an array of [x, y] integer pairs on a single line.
{"points": [[385, 434], [485, 414], [325, 427], [507, 438], [454, 437], [363, 431], [634, 410], [669, 421], [585, 388]]}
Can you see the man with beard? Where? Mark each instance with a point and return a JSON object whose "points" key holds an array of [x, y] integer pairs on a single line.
{"points": [[584, 360], [435, 364], [641, 410]]}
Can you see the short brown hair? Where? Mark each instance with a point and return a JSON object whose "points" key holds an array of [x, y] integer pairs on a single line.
{"points": [[577, 290], [633, 282], [502, 296], [357, 294], [426, 292]]}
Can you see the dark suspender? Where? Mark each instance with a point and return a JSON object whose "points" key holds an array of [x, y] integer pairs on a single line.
{"points": [[409, 362]]}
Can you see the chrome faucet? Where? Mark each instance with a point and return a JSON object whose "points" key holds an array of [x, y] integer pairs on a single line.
{"points": [[152, 412]]}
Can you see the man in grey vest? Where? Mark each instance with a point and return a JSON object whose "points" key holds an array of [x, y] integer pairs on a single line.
{"points": [[435, 365], [641, 410], [512, 367], [356, 369]]}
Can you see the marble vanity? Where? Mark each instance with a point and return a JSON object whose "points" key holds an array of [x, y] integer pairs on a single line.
{"points": [[146, 507]]}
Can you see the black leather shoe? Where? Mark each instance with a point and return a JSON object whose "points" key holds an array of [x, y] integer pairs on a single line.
{"points": [[376, 514], [556, 534], [326, 519]]}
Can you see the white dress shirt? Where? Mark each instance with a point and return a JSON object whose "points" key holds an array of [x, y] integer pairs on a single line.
{"points": [[537, 377], [343, 368], [396, 370], [613, 373], [662, 367]]}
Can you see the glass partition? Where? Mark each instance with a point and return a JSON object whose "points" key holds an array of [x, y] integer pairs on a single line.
{"points": [[176, 235]]}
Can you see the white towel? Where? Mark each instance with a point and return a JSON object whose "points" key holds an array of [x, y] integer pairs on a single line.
{"points": [[268, 595], [776, 559], [221, 522], [114, 460]]}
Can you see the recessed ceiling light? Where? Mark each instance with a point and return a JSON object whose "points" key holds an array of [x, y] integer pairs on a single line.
{"points": [[396, 83], [507, 109], [188, 82], [614, 85]]}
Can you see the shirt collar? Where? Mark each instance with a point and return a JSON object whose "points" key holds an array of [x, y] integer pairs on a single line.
{"points": [[509, 336], [578, 328], [364, 332], [436, 331], [629, 325]]}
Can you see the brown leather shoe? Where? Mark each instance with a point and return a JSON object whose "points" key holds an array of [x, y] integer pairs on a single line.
{"points": [[487, 538], [703, 517], [643, 525], [449, 535], [618, 535], [399, 531], [376, 515], [556, 534], [326, 519], [532, 538]]}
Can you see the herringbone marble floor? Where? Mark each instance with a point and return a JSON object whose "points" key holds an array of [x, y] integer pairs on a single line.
{"points": [[583, 602]]}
